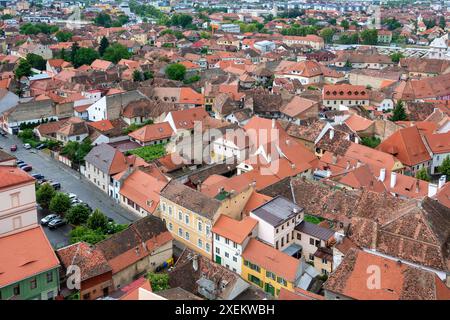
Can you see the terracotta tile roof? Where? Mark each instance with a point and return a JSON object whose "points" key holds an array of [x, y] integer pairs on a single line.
{"points": [[152, 132], [271, 260], [398, 281], [256, 200], [443, 195], [236, 231], [132, 290], [99, 64], [184, 119], [297, 106], [143, 189], [298, 294], [344, 92], [406, 145], [439, 143], [358, 123], [90, 260], [13, 176], [102, 125], [25, 254]]}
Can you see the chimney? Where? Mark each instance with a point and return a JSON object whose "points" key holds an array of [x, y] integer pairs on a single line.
{"points": [[417, 185], [382, 174], [334, 159], [358, 164], [348, 165], [432, 189], [273, 123], [393, 179], [331, 134], [442, 180]]}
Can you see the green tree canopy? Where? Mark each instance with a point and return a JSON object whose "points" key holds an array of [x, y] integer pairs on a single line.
{"points": [[36, 61], [78, 214], [85, 56], [103, 19], [82, 233], [97, 221], [369, 36], [422, 174], [396, 56], [158, 281], [60, 203], [345, 24], [63, 36], [399, 113], [44, 195], [116, 52], [327, 34], [23, 69], [104, 44], [176, 71], [445, 167]]}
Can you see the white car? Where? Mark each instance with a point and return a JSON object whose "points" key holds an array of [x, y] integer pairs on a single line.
{"points": [[27, 146], [72, 196]]}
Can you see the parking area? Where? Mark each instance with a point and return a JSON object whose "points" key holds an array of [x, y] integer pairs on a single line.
{"points": [[71, 182]]}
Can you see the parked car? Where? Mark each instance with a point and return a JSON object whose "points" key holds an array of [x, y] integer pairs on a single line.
{"points": [[45, 220], [86, 205], [40, 146], [22, 165], [56, 223], [27, 168], [75, 201], [72, 196], [27, 146], [19, 162], [41, 181], [38, 176], [13, 147], [55, 185], [3, 133]]}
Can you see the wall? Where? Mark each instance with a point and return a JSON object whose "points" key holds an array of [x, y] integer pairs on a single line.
{"points": [[97, 177]]}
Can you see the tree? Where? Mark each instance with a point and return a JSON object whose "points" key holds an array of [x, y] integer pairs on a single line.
{"points": [[396, 56], [422, 174], [63, 36], [138, 76], [44, 195], [78, 214], [104, 44], [116, 52], [85, 56], [158, 281], [345, 24], [369, 36], [148, 75], [82, 233], [73, 52], [327, 34], [399, 113], [371, 142], [103, 20], [23, 69], [97, 221], [445, 166], [60, 203], [36, 61], [442, 23], [176, 71]]}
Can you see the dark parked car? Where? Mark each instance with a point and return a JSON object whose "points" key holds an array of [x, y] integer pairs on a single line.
{"points": [[13, 148], [41, 146], [19, 162], [27, 168], [41, 181], [38, 176], [56, 223], [55, 185], [22, 165], [45, 220]]}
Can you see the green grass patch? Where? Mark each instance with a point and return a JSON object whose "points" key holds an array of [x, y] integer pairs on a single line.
{"points": [[150, 153], [312, 219]]}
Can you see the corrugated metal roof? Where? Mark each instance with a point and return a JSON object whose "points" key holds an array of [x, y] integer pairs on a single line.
{"points": [[277, 210], [315, 230]]}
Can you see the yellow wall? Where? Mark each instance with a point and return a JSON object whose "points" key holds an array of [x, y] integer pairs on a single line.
{"points": [[191, 228], [246, 271]]}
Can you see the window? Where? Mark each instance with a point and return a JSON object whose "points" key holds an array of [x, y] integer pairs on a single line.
{"points": [[207, 229], [186, 219], [317, 243], [217, 250], [227, 241], [49, 277], [200, 226], [170, 211], [170, 226], [180, 232], [311, 241], [217, 237], [324, 261], [311, 256], [234, 259], [208, 248], [325, 272], [270, 275], [16, 290], [163, 207], [180, 215], [235, 245], [299, 236], [33, 284], [281, 281], [200, 243], [227, 255]]}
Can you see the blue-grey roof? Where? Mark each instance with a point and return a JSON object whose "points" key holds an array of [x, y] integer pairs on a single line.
{"points": [[315, 230], [277, 211]]}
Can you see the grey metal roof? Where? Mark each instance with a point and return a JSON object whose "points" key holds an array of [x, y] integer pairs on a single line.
{"points": [[101, 157], [315, 230], [277, 211]]}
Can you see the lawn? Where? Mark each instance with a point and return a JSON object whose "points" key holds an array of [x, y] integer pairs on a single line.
{"points": [[150, 153], [312, 219]]}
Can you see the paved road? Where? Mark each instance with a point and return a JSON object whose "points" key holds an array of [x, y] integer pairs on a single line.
{"points": [[71, 181]]}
